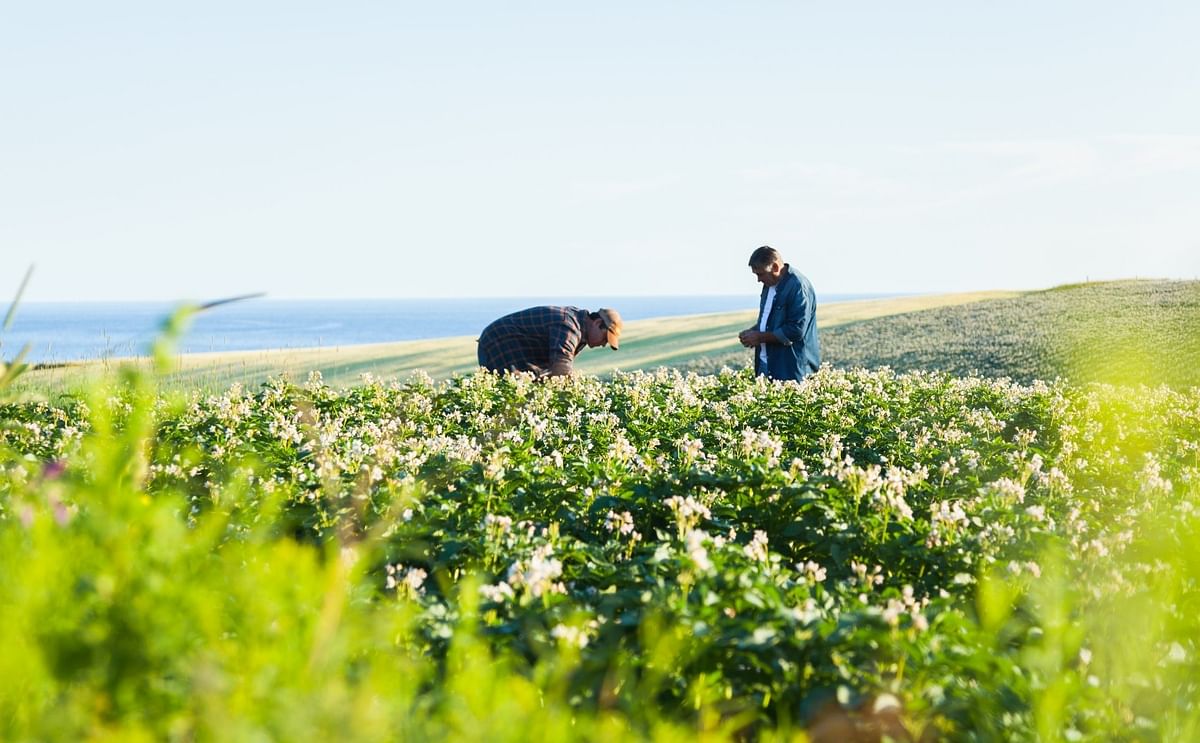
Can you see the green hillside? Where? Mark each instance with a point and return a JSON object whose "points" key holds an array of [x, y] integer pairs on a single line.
{"points": [[1126, 331], [1118, 332], [646, 344]]}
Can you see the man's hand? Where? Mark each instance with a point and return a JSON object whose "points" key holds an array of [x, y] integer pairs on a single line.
{"points": [[749, 338], [560, 368]]}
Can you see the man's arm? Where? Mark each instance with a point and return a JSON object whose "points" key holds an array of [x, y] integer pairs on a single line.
{"points": [[798, 314], [564, 340], [751, 337]]}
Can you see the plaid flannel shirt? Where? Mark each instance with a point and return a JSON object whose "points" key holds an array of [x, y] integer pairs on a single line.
{"points": [[543, 340]]}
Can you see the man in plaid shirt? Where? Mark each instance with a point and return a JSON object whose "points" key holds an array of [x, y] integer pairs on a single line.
{"points": [[546, 340]]}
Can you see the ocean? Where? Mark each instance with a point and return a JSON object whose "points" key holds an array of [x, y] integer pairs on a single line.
{"points": [[73, 331]]}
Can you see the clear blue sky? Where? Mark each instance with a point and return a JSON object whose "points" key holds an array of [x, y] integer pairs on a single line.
{"points": [[387, 149]]}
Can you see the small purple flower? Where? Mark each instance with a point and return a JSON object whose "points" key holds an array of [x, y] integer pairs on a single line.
{"points": [[61, 511], [54, 469]]}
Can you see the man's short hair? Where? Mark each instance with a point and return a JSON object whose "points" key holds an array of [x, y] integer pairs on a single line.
{"points": [[764, 256]]}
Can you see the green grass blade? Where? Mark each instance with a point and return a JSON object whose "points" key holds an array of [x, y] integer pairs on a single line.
{"points": [[14, 369], [12, 309]]}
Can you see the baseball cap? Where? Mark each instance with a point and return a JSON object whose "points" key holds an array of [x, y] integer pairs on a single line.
{"points": [[612, 321]]}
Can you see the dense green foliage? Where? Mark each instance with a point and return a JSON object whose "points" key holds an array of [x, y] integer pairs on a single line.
{"points": [[1114, 332], [646, 556]]}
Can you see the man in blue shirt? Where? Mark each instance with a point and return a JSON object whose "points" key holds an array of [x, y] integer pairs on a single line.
{"points": [[785, 339]]}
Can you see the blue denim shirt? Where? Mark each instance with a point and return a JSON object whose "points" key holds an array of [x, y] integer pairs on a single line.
{"points": [[793, 320]]}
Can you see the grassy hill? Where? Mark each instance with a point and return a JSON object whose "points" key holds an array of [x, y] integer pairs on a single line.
{"points": [[1125, 331], [647, 344], [1119, 332]]}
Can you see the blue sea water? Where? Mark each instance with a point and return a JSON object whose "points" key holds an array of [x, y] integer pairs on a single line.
{"points": [[72, 331]]}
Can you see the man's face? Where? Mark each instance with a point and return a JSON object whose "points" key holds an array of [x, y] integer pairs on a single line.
{"points": [[769, 275], [597, 333]]}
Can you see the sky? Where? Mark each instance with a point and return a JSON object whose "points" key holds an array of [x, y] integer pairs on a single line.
{"points": [[171, 151]]}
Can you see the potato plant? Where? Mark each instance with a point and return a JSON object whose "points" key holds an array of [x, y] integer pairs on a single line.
{"points": [[655, 555]]}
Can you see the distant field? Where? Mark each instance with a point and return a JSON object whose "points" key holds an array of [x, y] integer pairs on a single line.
{"points": [[1120, 332], [1127, 331], [647, 344]]}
